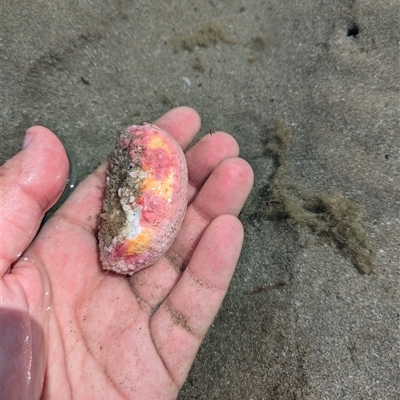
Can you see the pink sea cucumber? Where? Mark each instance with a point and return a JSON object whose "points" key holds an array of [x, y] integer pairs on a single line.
{"points": [[145, 199]]}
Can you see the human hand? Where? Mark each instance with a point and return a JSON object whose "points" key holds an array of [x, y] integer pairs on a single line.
{"points": [[70, 329]]}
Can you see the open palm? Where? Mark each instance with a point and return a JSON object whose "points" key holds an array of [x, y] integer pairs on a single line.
{"points": [[91, 334]]}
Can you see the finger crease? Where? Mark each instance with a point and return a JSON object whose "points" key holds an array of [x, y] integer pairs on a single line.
{"points": [[177, 317], [177, 262], [71, 219], [199, 282], [202, 214], [144, 304], [43, 203], [193, 183]]}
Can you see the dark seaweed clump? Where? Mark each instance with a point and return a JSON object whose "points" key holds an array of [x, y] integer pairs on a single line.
{"points": [[332, 217]]}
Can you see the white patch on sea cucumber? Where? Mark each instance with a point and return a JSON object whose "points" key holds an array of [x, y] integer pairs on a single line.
{"points": [[133, 213]]}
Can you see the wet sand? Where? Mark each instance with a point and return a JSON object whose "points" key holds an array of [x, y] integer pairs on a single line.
{"points": [[313, 309]]}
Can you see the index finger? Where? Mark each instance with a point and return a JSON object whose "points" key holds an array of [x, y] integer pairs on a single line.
{"points": [[182, 123]]}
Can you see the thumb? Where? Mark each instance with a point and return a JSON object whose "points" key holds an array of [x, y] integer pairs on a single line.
{"points": [[30, 183]]}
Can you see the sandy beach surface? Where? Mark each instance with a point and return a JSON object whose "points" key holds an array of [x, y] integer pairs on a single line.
{"points": [[310, 90]]}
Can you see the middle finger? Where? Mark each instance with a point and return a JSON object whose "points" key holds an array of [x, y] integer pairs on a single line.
{"points": [[224, 192]]}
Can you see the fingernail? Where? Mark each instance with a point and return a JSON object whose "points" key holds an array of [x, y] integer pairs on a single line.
{"points": [[28, 138]]}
